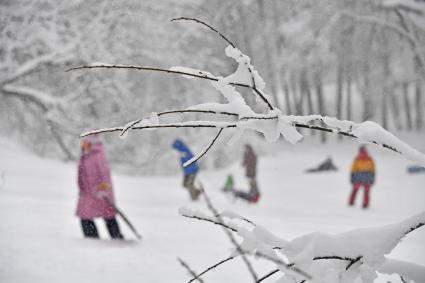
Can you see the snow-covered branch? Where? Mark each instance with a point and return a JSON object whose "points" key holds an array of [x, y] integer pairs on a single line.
{"points": [[232, 239], [41, 98], [405, 269], [273, 123], [32, 64], [351, 254]]}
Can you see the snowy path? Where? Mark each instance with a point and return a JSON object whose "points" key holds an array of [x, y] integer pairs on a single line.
{"points": [[41, 239]]}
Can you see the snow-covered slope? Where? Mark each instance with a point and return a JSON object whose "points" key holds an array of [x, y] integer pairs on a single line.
{"points": [[41, 239]]}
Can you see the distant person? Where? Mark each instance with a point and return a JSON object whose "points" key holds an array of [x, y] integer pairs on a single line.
{"points": [[250, 164], [326, 165], [413, 169], [362, 175], [189, 171], [95, 189]]}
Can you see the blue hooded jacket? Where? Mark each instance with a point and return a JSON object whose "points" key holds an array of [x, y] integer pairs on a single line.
{"points": [[187, 155]]}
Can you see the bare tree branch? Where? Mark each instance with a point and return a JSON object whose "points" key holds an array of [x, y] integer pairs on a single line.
{"points": [[254, 87], [153, 69], [211, 268], [196, 158], [208, 26], [211, 221], [411, 229], [210, 124], [288, 266], [268, 275], [231, 237], [185, 265]]}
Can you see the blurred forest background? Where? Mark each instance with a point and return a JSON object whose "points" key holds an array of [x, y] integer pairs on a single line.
{"points": [[353, 59]]}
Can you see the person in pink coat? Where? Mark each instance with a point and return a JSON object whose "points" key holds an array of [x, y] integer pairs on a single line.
{"points": [[94, 183]]}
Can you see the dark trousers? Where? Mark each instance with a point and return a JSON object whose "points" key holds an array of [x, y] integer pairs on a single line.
{"points": [[90, 230], [189, 184], [356, 187]]}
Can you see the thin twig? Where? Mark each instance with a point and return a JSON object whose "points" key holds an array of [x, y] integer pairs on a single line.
{"points": [[411, 229], [120, 129], [185, 265], [197, 111], [254, 86], [205, 151], [208, 26], [153, 69], [289, 266], [244, 219], [233, 125], [211, 221], [267, 275], [211, 268], [353, 262], [231, 238]]}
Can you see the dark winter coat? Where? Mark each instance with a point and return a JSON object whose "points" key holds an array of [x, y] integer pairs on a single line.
{"points": [[250, 162], [186, 155], [363, 169]]}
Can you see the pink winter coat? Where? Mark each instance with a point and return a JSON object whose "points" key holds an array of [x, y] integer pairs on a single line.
{"points": [[93, 169]]}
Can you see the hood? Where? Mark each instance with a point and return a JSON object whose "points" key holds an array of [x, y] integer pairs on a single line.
{"points": [[363, 154]]}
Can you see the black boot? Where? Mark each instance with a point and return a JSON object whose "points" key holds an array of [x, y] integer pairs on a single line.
{"points": [[89, 228], [113, 228]]}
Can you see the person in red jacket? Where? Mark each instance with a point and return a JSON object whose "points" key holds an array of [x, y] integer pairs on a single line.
{"points": [[362, 175]]}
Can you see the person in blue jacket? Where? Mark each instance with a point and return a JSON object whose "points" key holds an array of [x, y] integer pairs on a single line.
{"points": [[189, 171]]}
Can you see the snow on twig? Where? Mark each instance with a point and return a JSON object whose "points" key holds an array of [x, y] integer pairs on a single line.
{"points": [[272, 124], [406, 270], [363, 257]]}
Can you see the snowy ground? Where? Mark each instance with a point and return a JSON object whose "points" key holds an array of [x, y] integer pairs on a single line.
{"points": [[41, 239]]}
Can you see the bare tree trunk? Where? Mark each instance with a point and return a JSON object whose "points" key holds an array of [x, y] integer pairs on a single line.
{"points": [[60, 142], [418, 105], [297, 95], [384, 111], [349, 94], [387, 86], [245, 32], [287, 99], [395, 109], [269, 52], [320, 99], [339, 88], [407, 108], [305, 90]]}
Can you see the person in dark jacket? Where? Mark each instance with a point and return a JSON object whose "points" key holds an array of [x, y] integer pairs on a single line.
{"points": [[326, 165], [189, 171], [362, 174], [250, 164]]}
